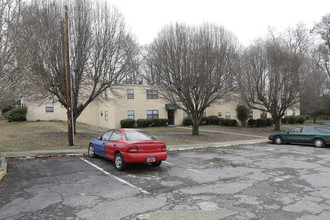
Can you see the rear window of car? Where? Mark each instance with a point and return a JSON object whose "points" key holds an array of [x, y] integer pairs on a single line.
{"points": [[323, 130], [138, 135]]}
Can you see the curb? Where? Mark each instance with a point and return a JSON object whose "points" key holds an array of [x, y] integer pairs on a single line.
{"points": [[3, 167], [83, 152]]}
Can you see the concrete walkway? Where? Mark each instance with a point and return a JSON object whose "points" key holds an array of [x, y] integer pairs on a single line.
{"points": [[83, 152]]}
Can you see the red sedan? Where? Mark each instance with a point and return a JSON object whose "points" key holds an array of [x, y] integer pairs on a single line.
{"points": [[128, 146]]}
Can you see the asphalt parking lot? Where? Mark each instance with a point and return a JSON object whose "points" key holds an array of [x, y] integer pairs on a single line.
{"points": [[262, 181]]}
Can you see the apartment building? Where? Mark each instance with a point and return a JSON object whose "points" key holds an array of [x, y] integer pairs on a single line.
{"points": [[135, 102]]}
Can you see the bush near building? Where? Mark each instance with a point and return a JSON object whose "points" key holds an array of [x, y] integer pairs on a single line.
{"points": [[211, 120], [295, 119], [16, 114], [261, 122], [127, 123], [155, 122]]}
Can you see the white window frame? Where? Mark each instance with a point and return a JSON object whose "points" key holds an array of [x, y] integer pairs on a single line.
{"points": [[49, 107], [130, 114]]}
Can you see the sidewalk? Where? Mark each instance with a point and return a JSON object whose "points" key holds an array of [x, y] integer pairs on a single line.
{"points": [[83, 152]]}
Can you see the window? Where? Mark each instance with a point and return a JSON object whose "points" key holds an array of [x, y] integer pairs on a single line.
{"points": [[101, 114], [132, 135], [152, 114], [293, 112], [152, 94], [228, 115], [263, 114], [105, 95], [295, 130], [106, 116], [219, 114], [185, 114], [116, 136], [204, 114], [106, 136], [130, 114], [130, 93], [49, 107], [250, 115], [308, 130]]}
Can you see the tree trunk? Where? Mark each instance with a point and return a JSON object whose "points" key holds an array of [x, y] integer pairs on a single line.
{"points": [[195, 124], [277, 122], [74, 126], [314, 118]]}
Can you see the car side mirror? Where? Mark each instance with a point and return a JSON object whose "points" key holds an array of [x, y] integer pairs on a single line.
{"points": [[99, 137]]}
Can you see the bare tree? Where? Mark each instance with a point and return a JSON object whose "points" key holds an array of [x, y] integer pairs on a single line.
{"points": [[269, 78], [322, 54], [192, 67], [313, 90], [102, 51], [14, 56]]}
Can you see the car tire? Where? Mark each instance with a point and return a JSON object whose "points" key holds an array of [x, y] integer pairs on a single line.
{"points": [[120, 164], [156, 164], [91, 152], [318, 142], [278, 140]]}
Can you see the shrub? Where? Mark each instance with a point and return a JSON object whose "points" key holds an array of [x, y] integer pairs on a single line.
{"points": [[261, 122], [301, 119], [269, 122], [142, 123], [292, 119], [16, 114], [242, 113], [252, 122], [187, 121], [127, 123], [6, 109], [228, 122], [158, 122], [212, 120]]}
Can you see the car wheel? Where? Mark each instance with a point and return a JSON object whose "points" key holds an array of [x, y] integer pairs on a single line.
{"points": [[156, 164], [319, 142], [91, 152], [278, 140], [120, 164]]}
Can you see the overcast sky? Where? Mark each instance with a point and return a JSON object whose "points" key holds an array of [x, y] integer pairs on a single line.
{"points": [[246, 19]]}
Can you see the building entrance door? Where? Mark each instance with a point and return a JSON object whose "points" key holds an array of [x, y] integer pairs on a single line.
{"points": [[170, 114]]}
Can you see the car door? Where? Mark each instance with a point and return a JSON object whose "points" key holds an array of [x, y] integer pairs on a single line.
{"points": [[112, 144], [294, 135], [307, 135], [99, 146]]}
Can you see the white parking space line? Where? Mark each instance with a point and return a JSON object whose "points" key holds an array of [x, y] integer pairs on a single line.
{"points": [[196, 171], [115, 177], [168, 163]]}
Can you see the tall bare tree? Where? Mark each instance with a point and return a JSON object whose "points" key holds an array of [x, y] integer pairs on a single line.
{"points": [[14, 56], [102, 52], [322, 54], [313, 90], [192, 66], [269, 78]]}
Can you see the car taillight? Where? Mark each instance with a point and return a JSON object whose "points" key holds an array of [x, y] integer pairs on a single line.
{"points": [[164, 148], [132, 149]]}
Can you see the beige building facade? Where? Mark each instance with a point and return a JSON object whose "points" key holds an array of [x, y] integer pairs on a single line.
{"points": [[135, 102]]}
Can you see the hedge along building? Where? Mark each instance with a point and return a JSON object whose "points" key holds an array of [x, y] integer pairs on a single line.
{"points": [[135, 102]]}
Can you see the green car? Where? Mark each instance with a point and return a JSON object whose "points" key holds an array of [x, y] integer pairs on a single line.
{"points": [[317, 135]]}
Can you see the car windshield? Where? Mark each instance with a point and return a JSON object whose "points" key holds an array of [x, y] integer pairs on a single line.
{"points": [[323, 129], [133, 135]]}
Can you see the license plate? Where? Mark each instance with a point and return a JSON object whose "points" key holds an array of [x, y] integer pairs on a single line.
{"points": [[151, 159]]}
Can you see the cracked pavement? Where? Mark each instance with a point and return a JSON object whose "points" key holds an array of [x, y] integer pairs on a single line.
{"points": [[261, 181]]}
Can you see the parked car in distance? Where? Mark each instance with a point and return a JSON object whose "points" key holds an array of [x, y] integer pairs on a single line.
{"points": [[128, 146], [326, 124], [317, 135]]}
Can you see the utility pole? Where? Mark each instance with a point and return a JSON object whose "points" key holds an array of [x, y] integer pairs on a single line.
{"points": [[68, 80]]}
